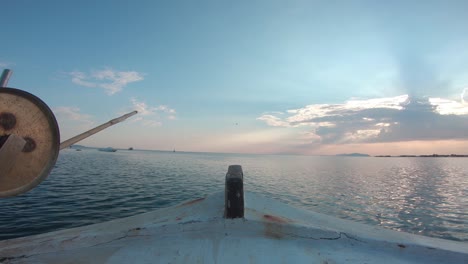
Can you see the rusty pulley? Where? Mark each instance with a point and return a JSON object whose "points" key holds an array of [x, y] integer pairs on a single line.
{"points": [[29, 141]]}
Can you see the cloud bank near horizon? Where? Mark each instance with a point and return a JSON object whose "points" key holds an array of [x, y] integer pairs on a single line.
{"points": [[378, 120]]}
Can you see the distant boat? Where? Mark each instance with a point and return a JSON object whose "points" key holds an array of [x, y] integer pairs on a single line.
{"points": [[78, 149], [108, 149], [130, 148], [173, 150]]}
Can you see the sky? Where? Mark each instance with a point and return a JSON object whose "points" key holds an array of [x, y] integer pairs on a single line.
{"points": [[267, 77]]}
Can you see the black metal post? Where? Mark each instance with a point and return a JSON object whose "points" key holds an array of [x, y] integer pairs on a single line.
{"points": [[234, 193]]}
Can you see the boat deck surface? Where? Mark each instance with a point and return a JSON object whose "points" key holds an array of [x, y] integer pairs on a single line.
{"points": [[196, 232]]}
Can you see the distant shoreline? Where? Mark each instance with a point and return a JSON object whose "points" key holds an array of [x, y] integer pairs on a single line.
{"points": [[424, 156], [336, 155]]}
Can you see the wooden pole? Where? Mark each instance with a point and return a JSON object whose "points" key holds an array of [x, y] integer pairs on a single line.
{"points": [[93, 131]]}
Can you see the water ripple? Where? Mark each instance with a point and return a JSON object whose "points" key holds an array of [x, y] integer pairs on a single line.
{"points": [[426, 196]]}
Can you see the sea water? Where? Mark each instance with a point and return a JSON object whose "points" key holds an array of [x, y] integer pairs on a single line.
{"points": [[425, 196]]}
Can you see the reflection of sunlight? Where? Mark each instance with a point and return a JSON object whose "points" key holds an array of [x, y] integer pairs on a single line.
{"points": [[449, 107]]}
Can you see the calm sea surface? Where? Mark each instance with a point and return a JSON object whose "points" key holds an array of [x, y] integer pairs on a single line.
{"points": [[426, 196]]}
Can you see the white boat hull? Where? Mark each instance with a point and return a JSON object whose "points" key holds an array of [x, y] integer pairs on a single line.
{"points": [[196, 232]]}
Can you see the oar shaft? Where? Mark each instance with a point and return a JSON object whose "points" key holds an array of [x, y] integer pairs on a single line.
{"points": [[93, 131]]}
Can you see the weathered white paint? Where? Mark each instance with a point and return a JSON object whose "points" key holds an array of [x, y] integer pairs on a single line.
{"points": [[196, 232]]}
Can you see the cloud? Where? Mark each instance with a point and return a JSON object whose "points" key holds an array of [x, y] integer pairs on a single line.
{"points": [[464, 96], [323, 112], [151, 116], [391, 119], [272, 120], [449, 107], [142, 108], [165, 109], [78, 78], [427, 120], [110, 80]]}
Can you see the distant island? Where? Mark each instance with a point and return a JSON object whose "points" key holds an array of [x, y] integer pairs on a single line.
{"points": [[79, 147], [353, 155], [425, 156]]}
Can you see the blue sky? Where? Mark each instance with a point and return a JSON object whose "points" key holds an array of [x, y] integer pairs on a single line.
{"points": [[302, 77]]}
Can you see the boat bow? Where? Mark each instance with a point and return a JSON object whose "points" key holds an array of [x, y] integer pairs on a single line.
{"points": [[196, 232]]}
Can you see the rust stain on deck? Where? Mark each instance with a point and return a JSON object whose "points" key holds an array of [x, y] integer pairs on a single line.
{"points": [[274, 226], [276, 219]]}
